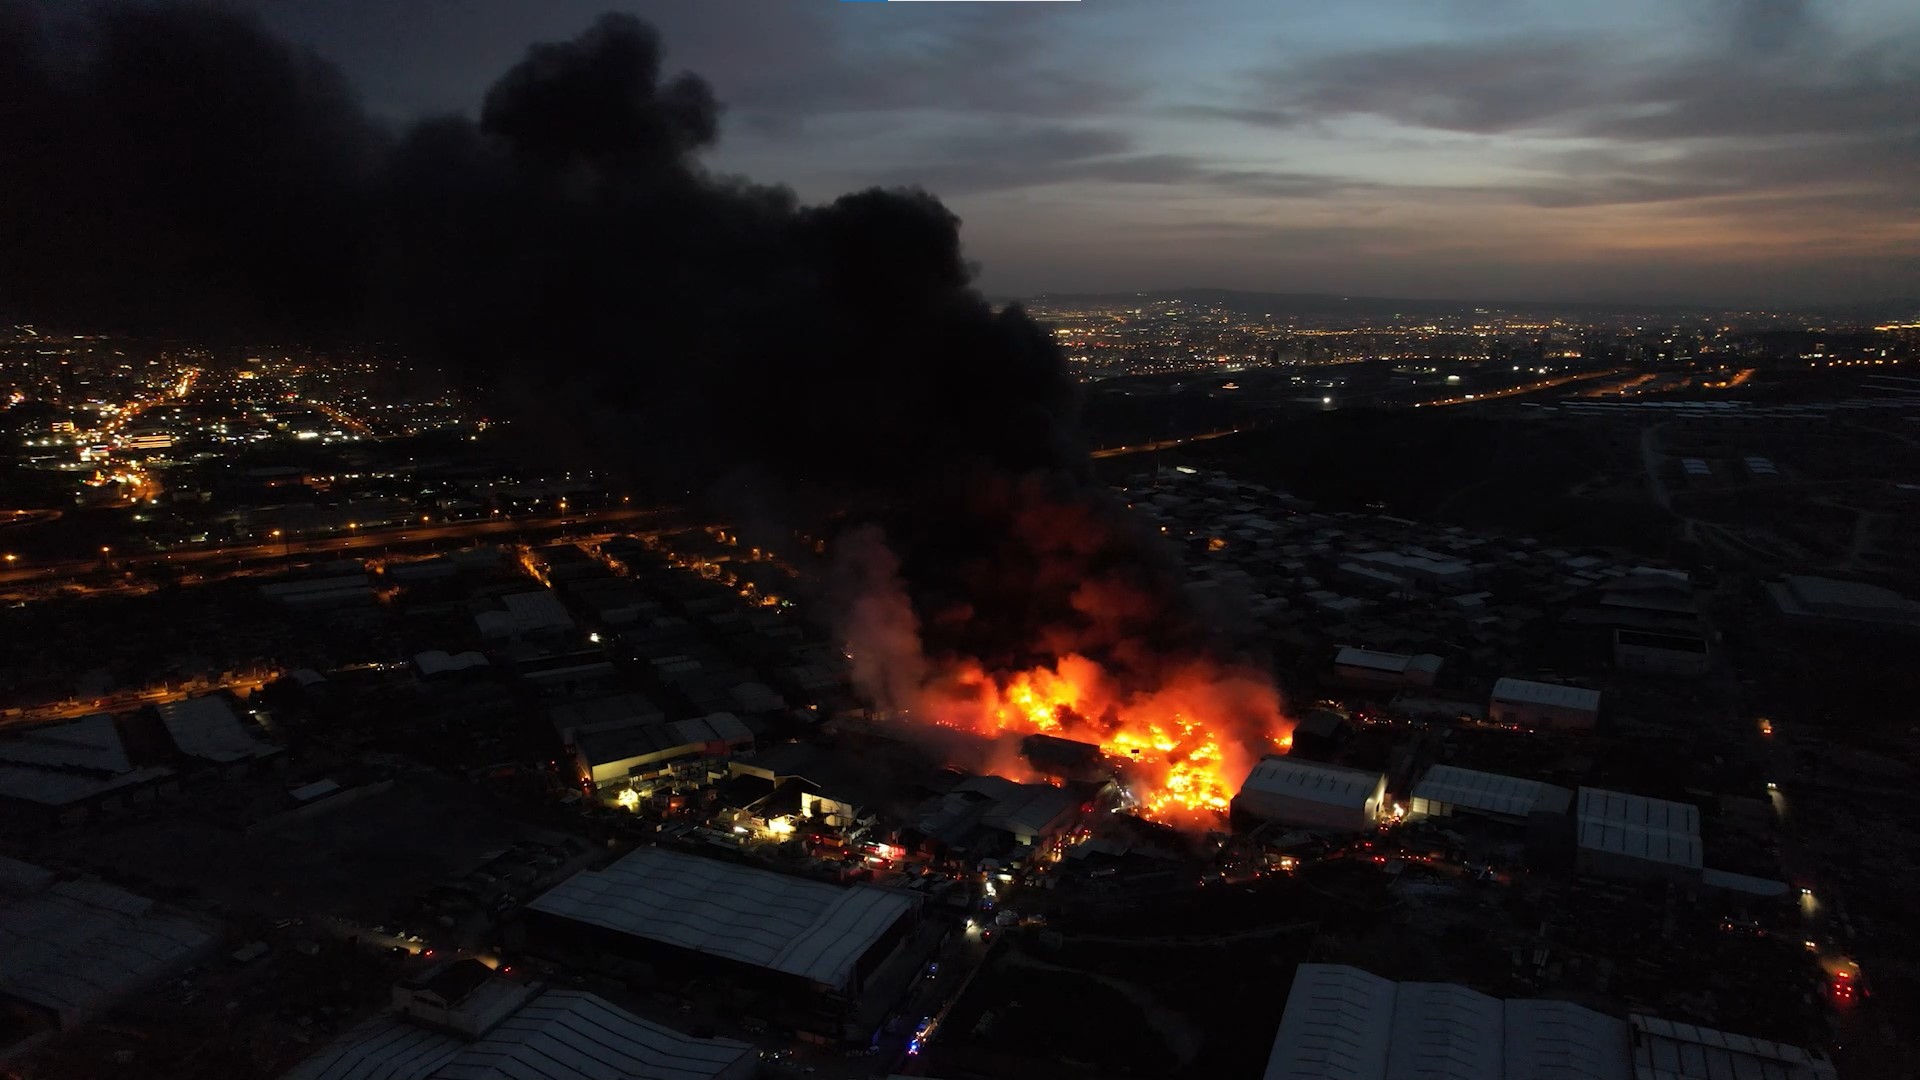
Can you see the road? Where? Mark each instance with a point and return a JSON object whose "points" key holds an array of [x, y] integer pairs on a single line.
{"points": [[1517, 391], [20, 571], [128, 700], [1163, 444]]}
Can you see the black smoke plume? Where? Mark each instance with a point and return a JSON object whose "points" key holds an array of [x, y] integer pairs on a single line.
{"points": [[178, 170]]}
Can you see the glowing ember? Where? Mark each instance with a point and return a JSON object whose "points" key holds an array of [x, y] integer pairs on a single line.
{"points": [[1186, 743]]}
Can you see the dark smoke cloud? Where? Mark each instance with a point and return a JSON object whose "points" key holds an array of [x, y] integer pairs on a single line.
{"points": [[175, 169]]}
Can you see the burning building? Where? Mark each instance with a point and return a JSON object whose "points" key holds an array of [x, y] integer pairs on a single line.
{"points": [[564, 249]]}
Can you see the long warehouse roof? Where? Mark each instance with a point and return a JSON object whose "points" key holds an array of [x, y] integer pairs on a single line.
{"points": [[1541, 693], [806, 928], [1489, 792], [1342, 1023], [1302, 779], [560, 1035], [80, 945], [1639, 827]]}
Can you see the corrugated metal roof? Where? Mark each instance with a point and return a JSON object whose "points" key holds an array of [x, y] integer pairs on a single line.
{"points": [[207, 727], [806, 928], [536, 610], [1670, 1050], [1540, 693], [1443, 1031], [1338, 1026], [91, 742], [560, 1035], [1557, 1040], [79, 945], [1488, 792], [1342, 1023], [49, 787], [1302, 779], [1639, 827], [1392, 663]]}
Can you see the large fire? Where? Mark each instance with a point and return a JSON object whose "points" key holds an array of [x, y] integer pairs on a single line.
{"points": [[1185, 743]]}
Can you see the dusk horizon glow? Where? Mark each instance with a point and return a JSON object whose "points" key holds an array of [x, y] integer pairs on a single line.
{"points": [[1730, 152]]}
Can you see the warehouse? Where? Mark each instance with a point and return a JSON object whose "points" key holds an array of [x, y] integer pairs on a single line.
{"points": [[1543, 705], [693, 915], [610, 758], [1342, 1023], [1657, 653], [1365, 667], [70, 949], [1312, 795], [459, 1021], [1620, 835], [1446, 790], [209, 730]]}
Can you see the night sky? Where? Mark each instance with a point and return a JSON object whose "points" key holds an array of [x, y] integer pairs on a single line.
{"points": [[1724, 151]]}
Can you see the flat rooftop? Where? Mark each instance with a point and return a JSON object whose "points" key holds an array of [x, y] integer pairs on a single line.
{"points": [[757, 917]]}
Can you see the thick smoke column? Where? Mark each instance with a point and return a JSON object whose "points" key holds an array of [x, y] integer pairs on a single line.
{"points": [[177, 169]]}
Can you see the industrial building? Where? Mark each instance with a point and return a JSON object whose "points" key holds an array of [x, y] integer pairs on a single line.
{"points": [[71, 948], [1657, 653], [994, 816], [1543, 705], [1342, 1023], [1446, 790], [1365, 667], [611, 757], [69, 771], [209, 730], [1313, 795], [1822, 601], [674, 912], [1620, 835], [462, 1022]]}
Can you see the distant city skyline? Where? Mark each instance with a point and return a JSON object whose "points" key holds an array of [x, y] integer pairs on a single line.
{"points": [[1728, 152]]}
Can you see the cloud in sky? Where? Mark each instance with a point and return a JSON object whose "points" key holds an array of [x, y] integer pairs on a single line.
{"points": [[1733, 150]]}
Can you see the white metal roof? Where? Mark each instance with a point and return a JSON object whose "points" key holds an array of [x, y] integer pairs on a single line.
{"points": [[1557, 1040], [1342, 1023], [1485, 791], [91, 742], [50, 787], [207, 727], [1639, 827], [1302, 779], [1393, 663], [1337, 1026], [806, 928], [1540, 693], [1669, 1050], [78, 945], [537, 610], [1444, 1031], [439, 661], [559, 1035]]}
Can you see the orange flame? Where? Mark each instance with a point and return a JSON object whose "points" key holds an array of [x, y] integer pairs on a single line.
{"points": [[1186, 742]]}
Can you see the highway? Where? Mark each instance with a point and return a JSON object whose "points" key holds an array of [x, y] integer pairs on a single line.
{"points": [[1517, 391], [1163, 444], [21, 571]]}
